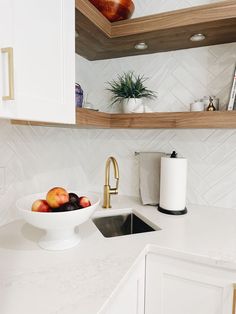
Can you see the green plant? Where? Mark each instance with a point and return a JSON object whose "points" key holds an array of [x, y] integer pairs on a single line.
{"points": [[128, 85]]}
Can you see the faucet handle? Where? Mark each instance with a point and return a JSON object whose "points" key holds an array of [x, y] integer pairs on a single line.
{"points": [[117, 184], [115, 190]]}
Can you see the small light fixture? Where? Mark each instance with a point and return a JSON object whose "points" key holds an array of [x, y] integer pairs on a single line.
{"points": [[197, 37], [76, 34], [141, 46]]}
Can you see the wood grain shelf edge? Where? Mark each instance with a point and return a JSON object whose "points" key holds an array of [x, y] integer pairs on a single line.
{"points": [[157, 120], [178, 120], [99, 39], [95, 17], [208, 13]]}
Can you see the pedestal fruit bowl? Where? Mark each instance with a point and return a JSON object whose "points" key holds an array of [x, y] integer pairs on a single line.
{"points": [[59, 225]]}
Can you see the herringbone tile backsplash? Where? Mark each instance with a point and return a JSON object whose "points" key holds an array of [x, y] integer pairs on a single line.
{"points": [[34, 159]]}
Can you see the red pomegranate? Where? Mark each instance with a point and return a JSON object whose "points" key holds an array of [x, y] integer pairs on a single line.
{"points": [[115, 10]]}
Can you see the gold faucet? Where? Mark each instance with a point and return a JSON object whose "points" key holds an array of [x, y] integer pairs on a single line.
{"points": [[107, 189]]}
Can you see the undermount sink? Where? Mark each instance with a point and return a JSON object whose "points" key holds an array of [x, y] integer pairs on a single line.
{"points": [[119, 225]]}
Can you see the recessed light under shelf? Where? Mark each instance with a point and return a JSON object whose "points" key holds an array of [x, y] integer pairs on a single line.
{"points": [[141, 46], [198, 37]]}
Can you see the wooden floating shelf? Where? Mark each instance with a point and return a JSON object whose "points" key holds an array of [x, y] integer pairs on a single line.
{"points": [[175, 120], [157, 120], [99, 39]]}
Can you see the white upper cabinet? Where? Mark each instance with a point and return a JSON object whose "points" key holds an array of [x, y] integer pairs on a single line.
{"points": [[37, 60]]}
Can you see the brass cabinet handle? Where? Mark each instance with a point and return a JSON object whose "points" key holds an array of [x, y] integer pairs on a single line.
{"points": [[234, 299], [9, 51]]}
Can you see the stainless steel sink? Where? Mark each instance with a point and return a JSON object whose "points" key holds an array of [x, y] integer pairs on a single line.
{"points": [[119, 225]]}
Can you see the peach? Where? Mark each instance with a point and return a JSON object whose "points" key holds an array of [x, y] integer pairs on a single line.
{"points": [[84, 201], [40, 206], [57, 197]]}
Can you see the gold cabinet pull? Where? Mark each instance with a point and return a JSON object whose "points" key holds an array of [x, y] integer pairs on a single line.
{"points": [[9, 51], [234, 299]]}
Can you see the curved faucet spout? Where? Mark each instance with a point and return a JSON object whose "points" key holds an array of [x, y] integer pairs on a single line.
{"points": [[107, 189]]}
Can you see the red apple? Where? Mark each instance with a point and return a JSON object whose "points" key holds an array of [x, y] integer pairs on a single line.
{"points": [[57, 197], [84, 201], [41, 206]]}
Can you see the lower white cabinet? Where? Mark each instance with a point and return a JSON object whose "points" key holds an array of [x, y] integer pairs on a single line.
{"points": [[129, 298], [175, 286], [161, 284]]}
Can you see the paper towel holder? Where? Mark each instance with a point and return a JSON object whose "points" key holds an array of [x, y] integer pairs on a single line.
{"points": [[172, 212]]}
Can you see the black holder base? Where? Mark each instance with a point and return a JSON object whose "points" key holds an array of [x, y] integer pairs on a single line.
{"points": [[172, 212]]}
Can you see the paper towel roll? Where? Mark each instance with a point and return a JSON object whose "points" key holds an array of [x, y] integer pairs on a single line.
{"points": [[173, 185]]}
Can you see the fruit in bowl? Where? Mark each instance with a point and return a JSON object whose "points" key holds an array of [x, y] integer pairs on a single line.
{"points": [[84, 201], [59, 200], [73, 198], [59, 223], [57, 197], [41, 206]]}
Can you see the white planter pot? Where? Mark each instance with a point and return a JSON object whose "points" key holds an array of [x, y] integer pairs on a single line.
{"points": [[133, 105]]}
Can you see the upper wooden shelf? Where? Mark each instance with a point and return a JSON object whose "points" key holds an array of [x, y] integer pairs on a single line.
{"points": [[99, 39], [86, 118]]}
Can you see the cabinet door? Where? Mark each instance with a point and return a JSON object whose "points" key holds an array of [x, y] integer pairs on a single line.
{"points": [[41, 35], [129, 298], [6, 36], [174, 286]]}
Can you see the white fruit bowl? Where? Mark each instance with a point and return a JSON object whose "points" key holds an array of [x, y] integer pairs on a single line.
{"points": [[59, 227]]}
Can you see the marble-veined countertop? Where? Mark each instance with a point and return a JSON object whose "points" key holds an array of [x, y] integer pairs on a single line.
{"points": [[80, 280]]}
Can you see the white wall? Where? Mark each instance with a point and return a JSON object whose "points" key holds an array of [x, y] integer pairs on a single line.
{"points": [[34, 159], [147, 7], [38, 158], [179, 77]]}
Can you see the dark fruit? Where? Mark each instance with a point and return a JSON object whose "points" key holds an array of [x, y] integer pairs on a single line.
{"points": [[70, 206], [66, 207], [73, 198]]}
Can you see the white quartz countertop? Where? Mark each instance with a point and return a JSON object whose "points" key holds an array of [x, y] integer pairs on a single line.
{"points": [[80, 280]]}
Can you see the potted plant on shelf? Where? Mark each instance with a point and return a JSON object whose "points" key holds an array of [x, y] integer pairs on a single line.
{"points": [[129, 90]]}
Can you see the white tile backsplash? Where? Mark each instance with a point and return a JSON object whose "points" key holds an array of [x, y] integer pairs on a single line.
{"points": [[76, 159], [147, 7], [178, 77], [2, 179], [35, 159]]}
